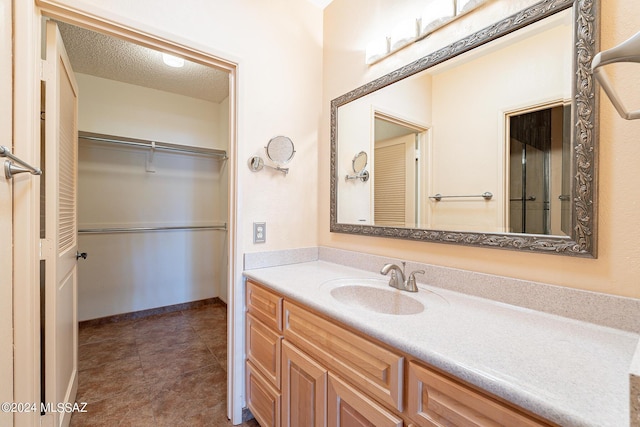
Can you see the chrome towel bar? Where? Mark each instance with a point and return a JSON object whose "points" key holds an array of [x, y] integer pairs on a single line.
{"points": [[486, 195], [10, 169]]}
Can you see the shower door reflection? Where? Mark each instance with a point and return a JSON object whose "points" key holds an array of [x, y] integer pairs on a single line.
{"points": [[537, 174]]}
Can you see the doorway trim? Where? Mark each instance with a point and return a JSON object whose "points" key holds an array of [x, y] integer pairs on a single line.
{"points": [[424, 165], [26, 98], [6, 206]]}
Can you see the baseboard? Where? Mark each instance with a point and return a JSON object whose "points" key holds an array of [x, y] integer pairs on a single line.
{"points": [[151, 312]]}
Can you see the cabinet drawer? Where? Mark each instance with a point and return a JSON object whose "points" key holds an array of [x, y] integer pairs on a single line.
{"points": [[263, 349], [262, 398], [435, 400], [264, 305], [367, 365]]}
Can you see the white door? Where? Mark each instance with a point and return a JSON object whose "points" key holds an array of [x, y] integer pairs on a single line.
{"points": [[59, 248], [394, 181], [6, 206]]}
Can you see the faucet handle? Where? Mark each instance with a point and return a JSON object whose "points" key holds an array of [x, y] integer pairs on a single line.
{"points": [[411, 281]]}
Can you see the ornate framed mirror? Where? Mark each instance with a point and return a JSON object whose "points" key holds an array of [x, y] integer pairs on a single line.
{"points": [[509, 111]]}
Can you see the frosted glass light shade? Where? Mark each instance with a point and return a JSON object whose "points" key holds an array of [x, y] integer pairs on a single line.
{"points": [[434, 16], [464, 6], [376, 50], [403, 34]]}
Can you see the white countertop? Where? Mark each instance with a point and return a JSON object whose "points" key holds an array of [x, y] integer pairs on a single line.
{"points": [[570, 372]]}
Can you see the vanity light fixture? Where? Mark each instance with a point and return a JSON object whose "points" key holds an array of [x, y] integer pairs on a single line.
{"points": [[403, 34], [377, 49], [434, 16], [464, 6], [172, 61], [627, 51]]}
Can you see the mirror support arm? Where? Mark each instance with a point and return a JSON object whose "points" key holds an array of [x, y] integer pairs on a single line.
{"points": [[362, 176], [278, 168]]}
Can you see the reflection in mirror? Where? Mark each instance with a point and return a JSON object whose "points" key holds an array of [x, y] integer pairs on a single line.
{"points": [[359, 162], [539, 164], [502, 118], [399, 172], [358, 165]]}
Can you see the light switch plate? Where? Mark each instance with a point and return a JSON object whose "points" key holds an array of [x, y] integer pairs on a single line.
{"points": [[259, 232]]}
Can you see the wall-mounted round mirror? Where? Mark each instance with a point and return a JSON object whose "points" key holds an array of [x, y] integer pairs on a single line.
{"points": [[280, 150], [360, 162]]}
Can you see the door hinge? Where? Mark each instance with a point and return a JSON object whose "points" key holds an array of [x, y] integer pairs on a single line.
{"points": [[45, 248], [45, 70]]}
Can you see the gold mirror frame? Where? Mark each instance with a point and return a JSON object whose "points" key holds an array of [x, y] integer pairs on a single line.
{"points": [[584, 139]]}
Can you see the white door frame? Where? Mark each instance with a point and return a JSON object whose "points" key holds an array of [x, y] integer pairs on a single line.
{"points": [[26, 104], [6, 232]]}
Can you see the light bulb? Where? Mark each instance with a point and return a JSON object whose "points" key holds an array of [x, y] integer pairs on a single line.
{"points": [[172, 61]]}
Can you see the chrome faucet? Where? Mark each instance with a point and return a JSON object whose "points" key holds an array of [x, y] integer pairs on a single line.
{"points": [[398, 280]]}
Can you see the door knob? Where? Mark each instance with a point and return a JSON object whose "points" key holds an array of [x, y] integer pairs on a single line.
{"points": [[82, 255]]}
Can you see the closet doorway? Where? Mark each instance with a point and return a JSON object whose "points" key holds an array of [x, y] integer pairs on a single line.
{"points": [[153, 180]]}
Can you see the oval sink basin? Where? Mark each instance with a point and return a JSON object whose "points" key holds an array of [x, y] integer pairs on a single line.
{"points": [[379, 300]]}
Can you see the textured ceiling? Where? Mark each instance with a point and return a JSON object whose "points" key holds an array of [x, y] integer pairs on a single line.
{"points": [[111, 58]]}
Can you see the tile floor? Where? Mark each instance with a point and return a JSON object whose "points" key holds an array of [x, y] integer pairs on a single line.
{"points": [[163, 370]]}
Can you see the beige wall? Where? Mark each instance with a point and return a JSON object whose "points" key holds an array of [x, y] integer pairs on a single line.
{"points": [[121, 109], [351, 24]]}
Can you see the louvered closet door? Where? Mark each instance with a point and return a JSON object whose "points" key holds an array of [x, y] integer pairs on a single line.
{"points": [[394, 176], [60, 244]]}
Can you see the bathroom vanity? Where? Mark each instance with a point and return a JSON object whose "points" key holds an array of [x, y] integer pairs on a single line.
{"points": [[328, 344]]}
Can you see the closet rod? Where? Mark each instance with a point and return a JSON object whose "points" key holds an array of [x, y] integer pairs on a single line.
{"points": [[141, 229], [152, 144]]}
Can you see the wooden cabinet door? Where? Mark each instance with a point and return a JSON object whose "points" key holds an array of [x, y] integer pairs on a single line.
{"points": [[304, 389], [262, 398], [347, 407]]}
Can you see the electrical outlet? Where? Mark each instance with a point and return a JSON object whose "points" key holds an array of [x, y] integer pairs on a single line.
{"points": [[259, 232]]}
